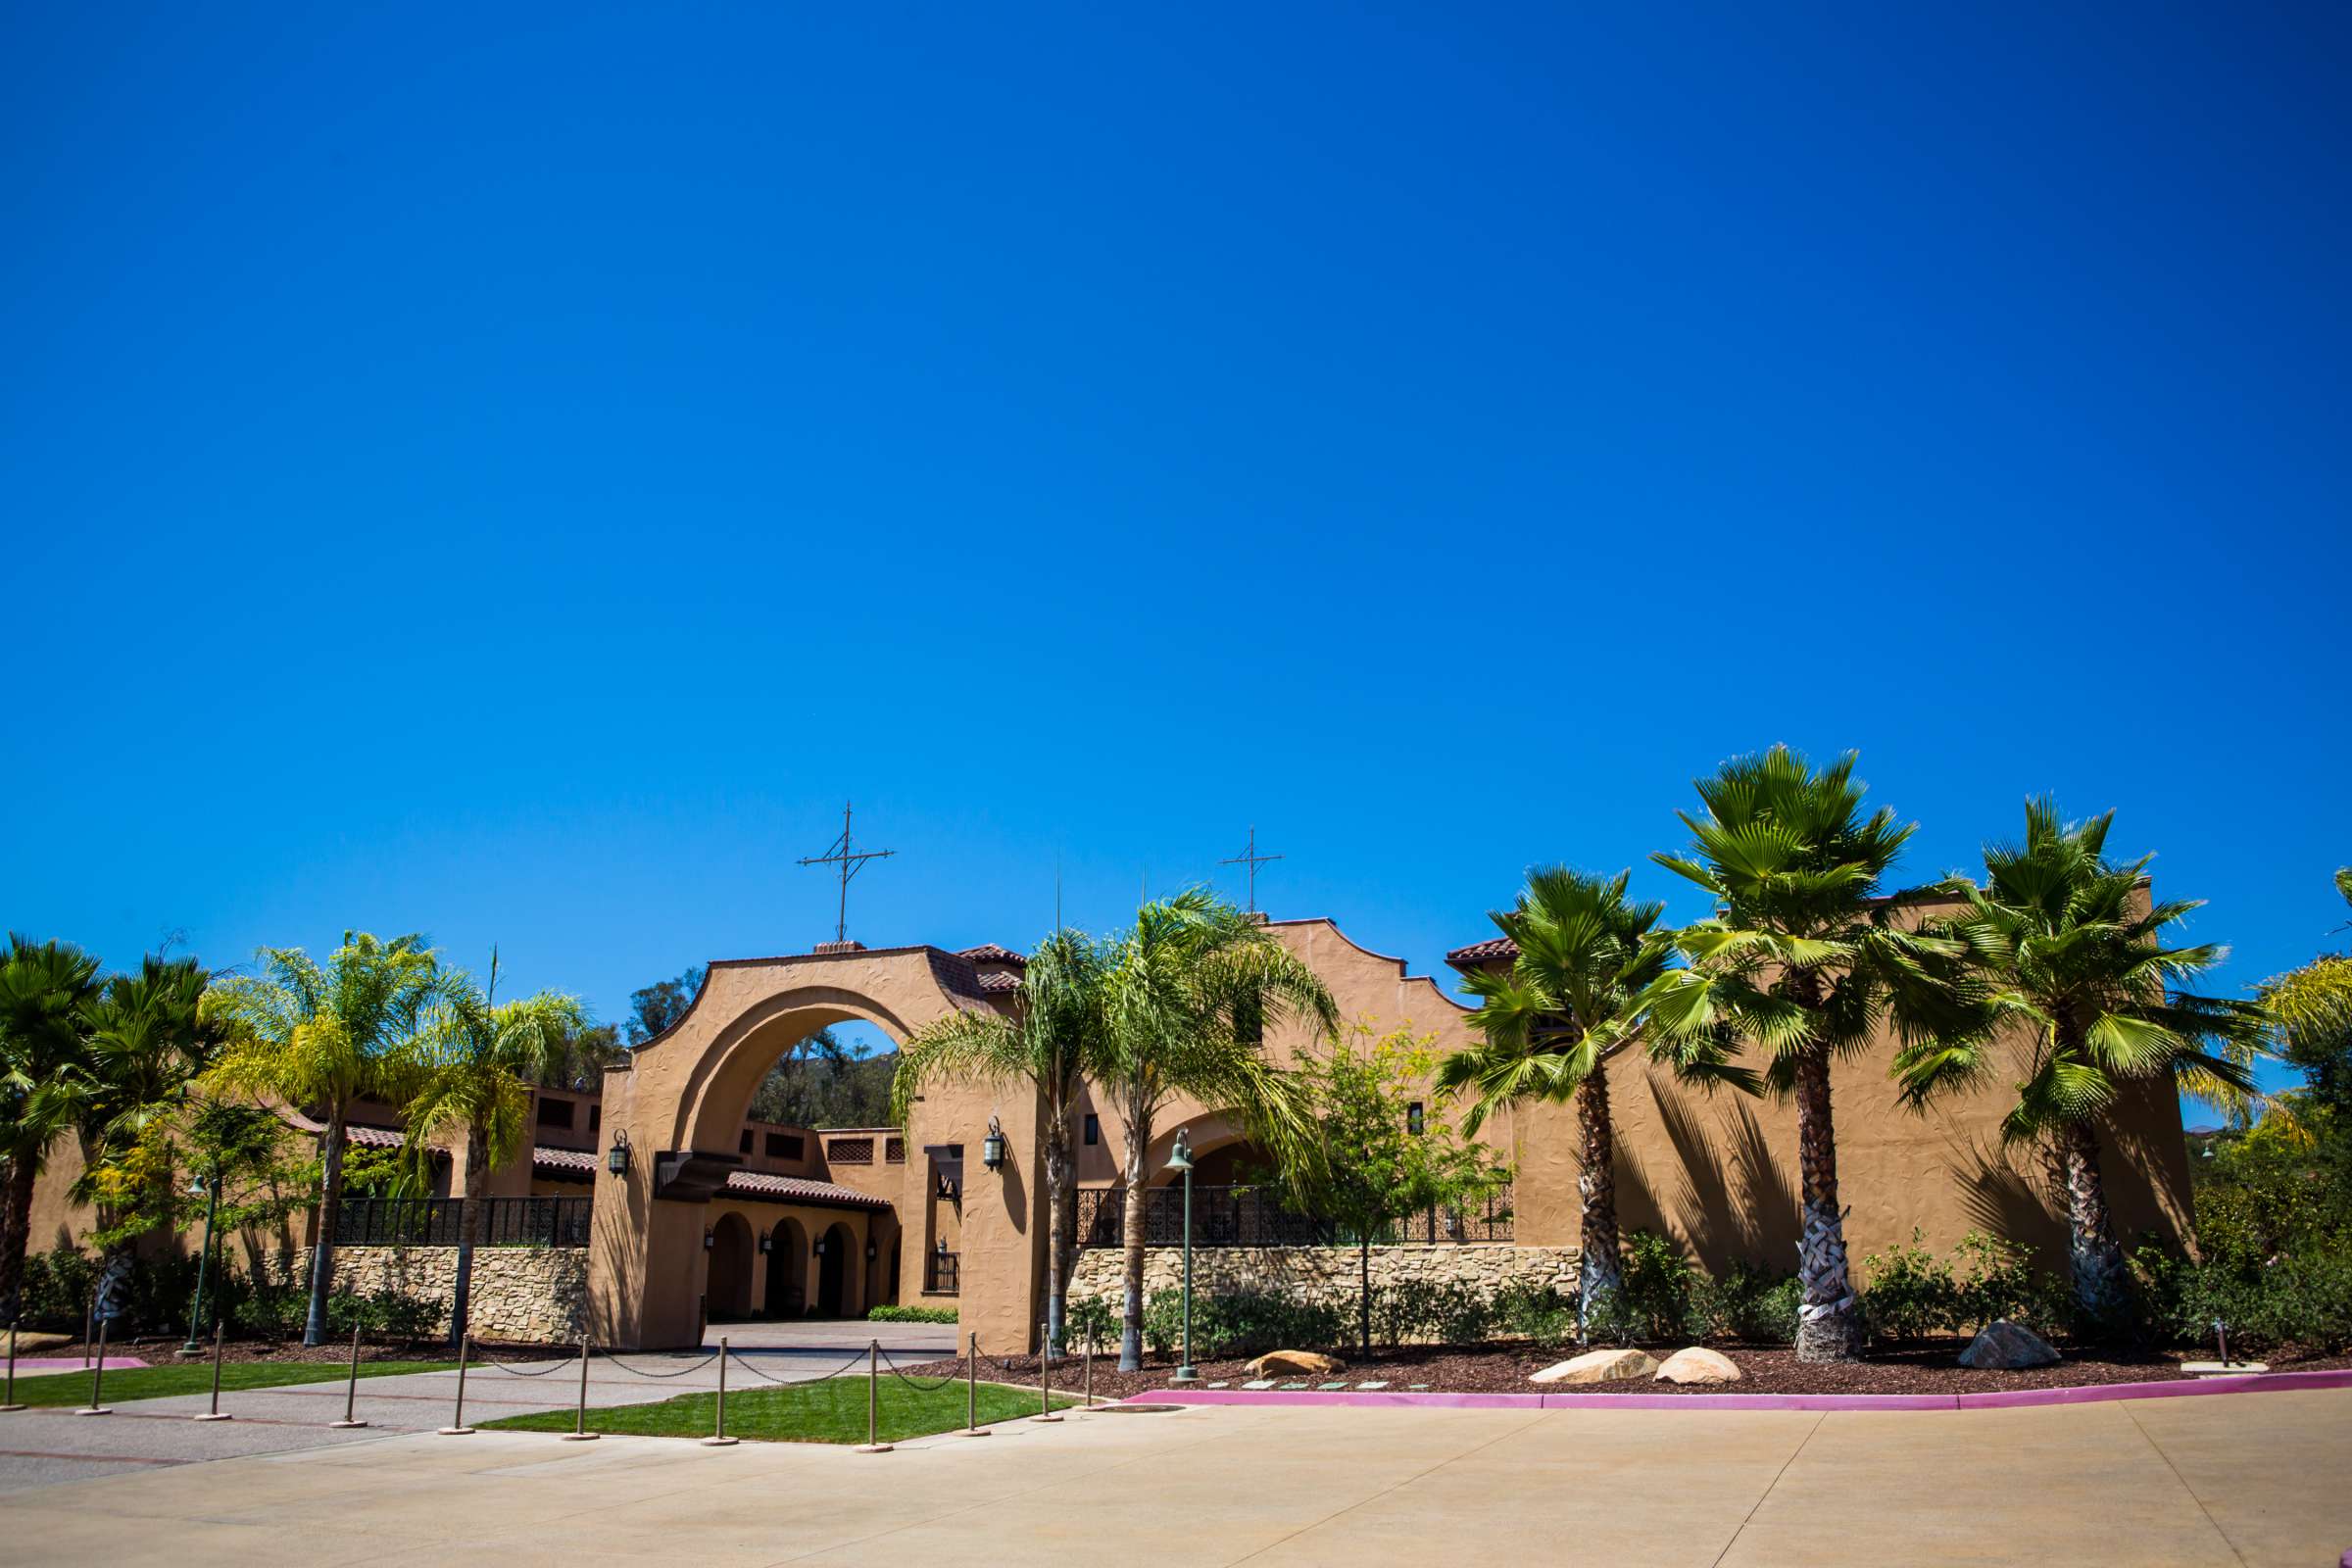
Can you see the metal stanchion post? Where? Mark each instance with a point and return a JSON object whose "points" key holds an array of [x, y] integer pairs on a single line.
{"points": [[351, 1388], [213, 1413], [718, 1439], [579, 1432], [1045, 1382], [10, 1403], [1089, 1365], [457, 1427], [971, 1389], [89, 1309], [98, 1376], [873, 1443]]}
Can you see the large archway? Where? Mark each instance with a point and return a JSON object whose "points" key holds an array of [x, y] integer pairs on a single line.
{"points": [[677, 1107]]}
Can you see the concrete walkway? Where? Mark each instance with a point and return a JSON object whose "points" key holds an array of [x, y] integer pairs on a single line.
{"points": [[2251, 1478]]}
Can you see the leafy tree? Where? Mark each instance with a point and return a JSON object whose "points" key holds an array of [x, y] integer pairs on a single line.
{"points": [[1371, 1167], [578, 1062], [479, 1057], [1550, 1024], [2311, 1009], [656, 1008], [323, 1038], [1191, 988], [2073, 952], [1801, 963], [824, 1081], [1055, 1029], [45, 991]]}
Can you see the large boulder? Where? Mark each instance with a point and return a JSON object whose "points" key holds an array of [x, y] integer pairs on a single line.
{"points": [[2003, 1346], [1698, 1364], [1295, 1363], [28, 1343], [1598, 1366]]}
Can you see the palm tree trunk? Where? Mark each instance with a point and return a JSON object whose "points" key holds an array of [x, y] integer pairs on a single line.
{"points": [[15, 1233], [2096, 1261], [1828, 1328], [469, 1228], [1131, 1321], [1057, 1224], [323, 1248], [1600, 1271]]}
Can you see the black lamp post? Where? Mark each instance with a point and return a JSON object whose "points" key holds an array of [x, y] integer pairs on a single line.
{"points": [[212, 1209], [1180, 1158]]}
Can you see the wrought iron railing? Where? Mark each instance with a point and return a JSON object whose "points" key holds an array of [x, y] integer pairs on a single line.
{"points": [[942, 1272], [441, 1221], [1253, 1216]]}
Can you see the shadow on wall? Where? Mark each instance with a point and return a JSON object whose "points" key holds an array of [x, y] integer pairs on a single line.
{"points": [[2002, 1197], [1730, 1200]]}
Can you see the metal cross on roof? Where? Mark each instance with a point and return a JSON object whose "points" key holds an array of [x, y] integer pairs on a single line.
{"points": [[1252, 859], [851, 862]]}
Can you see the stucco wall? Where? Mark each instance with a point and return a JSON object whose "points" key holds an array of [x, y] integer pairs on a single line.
{"points": [[524, 1294]]}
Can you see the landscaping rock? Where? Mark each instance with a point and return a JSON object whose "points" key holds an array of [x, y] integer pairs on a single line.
{"points": [[1598, 1366], [1294, 1362], [1698, 1364], [2003, 1346], [32, 1343]]}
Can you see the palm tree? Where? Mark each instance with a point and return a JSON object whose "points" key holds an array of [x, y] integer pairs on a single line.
{"points": [[479, 1057], [1190, 989], [2073, 949], [1551, 1022], [45, 990], [148, 1040], [1055, 1030], [322, 1038], [1801, 962], [2311, 1014]]}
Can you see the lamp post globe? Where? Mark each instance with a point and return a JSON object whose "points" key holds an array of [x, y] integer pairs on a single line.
{"points": [[1180, 1159]]}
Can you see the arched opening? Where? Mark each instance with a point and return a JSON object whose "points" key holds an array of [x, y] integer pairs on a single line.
{"points": [[729, 1290], [787, 1270], [833, 1272]]}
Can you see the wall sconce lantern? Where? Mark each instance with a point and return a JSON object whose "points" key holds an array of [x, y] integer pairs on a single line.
{"points": [[820, 1247], [872, 1252], [617, 1159], [992, 1148], [710, 1237], [766, 1242]]}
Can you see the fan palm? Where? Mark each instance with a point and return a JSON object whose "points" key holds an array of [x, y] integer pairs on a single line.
{"points": [[1550, 1024], [2074, 954], [322, 1038], [45, 991], [1190, 990], [479, 1058], [1803, 963], [1055, 1029]]}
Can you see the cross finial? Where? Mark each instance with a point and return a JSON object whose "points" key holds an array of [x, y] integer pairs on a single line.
{"points": [[1252, 859], [851, 862]]}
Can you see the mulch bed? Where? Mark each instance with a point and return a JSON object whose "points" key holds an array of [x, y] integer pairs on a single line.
{"points": [[1929, 1367]]}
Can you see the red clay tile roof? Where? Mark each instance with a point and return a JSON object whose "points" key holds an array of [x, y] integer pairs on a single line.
{"points": [[1482, 953], [990, 953], [799, 1189], [372, 1137], [999, 981], [565, 1160]]}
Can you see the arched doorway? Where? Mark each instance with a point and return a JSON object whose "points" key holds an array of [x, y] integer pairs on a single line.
{"points": [[729, 1290], [787, 1270], [833, 1272]]}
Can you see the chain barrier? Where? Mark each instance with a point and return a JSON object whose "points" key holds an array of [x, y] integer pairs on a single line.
{"points": [[780, 1381], [654, 1375], [508, 1369], [919, 1387]]}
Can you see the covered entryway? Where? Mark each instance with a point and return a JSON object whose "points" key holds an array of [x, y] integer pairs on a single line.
{"points": [[729, 1289], [836, 1255], [787, 1270]]}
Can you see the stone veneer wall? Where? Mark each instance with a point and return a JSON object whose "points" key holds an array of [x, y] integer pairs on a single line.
{"points": [[524, 1294], [1325, 1273]]}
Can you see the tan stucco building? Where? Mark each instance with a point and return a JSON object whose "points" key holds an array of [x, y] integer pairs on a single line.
{"points": [[699, 1214]]}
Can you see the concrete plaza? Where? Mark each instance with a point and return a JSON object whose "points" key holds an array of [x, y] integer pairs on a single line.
{"points": [[2254, 1479]]}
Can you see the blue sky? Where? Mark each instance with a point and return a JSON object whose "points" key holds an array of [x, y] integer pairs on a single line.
{"points": [[512, 472]]}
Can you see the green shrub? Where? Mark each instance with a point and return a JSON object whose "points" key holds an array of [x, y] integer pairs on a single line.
{"points": [[1909, 1293], [911, 1314], [1090, 1321], [1240, 1323], [1539, 1312], [1752, 1305], [1659, 1299], [1420, 1312]]}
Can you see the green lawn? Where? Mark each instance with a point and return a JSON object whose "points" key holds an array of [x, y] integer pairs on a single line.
{"points": [[51, 1389], [830, 1411]]}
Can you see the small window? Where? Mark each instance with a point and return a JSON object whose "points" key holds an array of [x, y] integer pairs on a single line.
{"points": [[745, 1147], [1093, 1129], [783, 1145], [554, 1113], [1413, 1119]]}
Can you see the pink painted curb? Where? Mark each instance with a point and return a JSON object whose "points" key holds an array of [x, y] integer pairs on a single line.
{"points": [[2007, 1399], [39, 1365]]}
